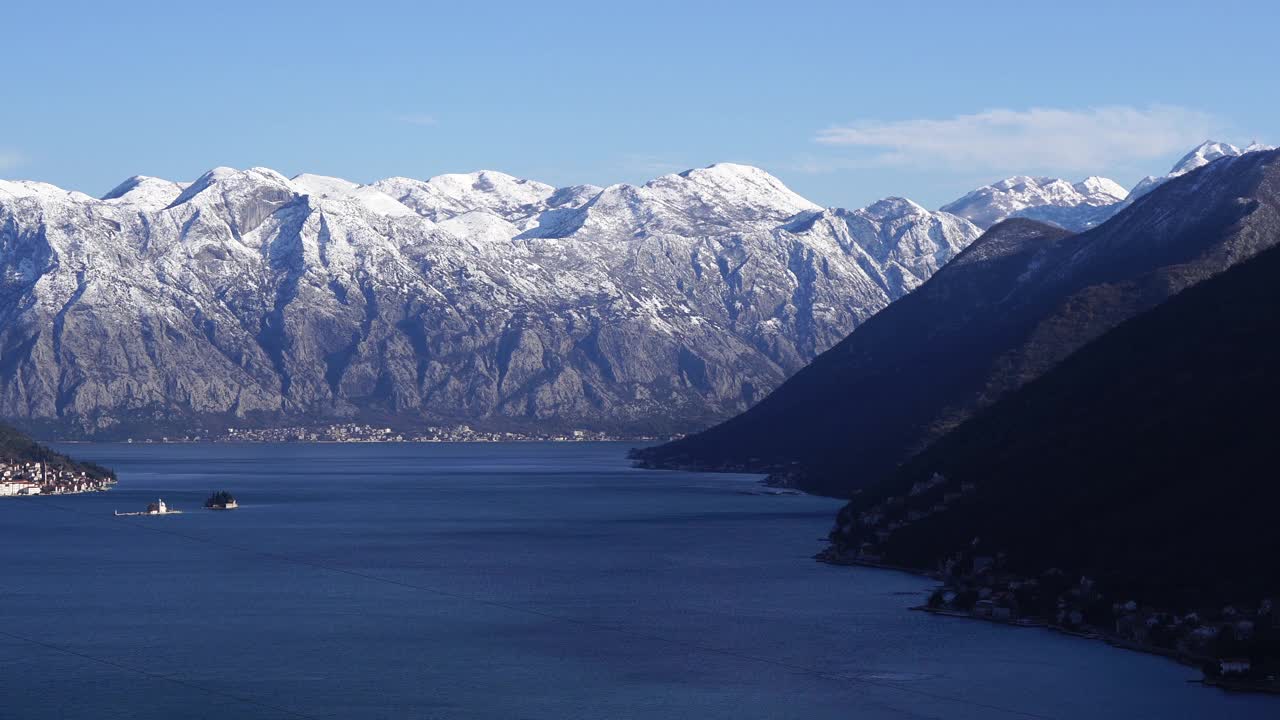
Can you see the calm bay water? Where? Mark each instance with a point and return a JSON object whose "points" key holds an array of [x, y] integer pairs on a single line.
{"points": [[500, 581]]}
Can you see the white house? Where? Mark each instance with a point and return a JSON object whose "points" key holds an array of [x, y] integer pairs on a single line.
{"points": [[18, 487], [1234, 666]]}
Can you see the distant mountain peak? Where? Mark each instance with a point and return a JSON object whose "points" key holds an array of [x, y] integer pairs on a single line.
{"points": [[1074, 206], [321, 184], [730, 170], [726, 177], [731, 190], [232, 179], [894, 207], [145, 191], [1201, 155], [325, 188], [490, 181], [1095, 185], [131, 184]]}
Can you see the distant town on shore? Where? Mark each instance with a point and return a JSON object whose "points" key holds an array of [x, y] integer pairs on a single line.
{"points": [[29, 468], [18, 477], [367, 433]]}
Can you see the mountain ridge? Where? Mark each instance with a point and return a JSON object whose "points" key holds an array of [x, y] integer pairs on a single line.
{"points": [[248, 297], [929, 361], [1073, 206], [477, 298], [1081, 205]]}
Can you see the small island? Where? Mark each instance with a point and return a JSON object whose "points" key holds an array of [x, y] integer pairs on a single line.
{"points": [[221, 500], [156, 508]]}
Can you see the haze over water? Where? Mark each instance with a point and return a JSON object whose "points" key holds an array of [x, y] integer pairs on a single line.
{"points": [[500, 581]]}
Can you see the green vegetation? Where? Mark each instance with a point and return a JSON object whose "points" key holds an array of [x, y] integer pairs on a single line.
{"points": [[220, 499], [18, 446]]}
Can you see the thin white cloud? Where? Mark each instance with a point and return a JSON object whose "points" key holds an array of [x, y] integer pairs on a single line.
{"points": [[649, 164], [1015, 140], [419, 119], [9, 159]]}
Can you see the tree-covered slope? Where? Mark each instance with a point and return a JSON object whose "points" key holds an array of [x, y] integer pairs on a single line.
{"points": [[17, 446], [1146, 460]]}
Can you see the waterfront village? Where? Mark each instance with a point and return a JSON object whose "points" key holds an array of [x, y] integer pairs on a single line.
{"points": [[38, 478], [1228, 644], [365, 433]]}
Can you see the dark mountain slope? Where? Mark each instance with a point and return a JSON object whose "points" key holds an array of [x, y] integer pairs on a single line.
{"points": [[1012, 305], [1146, 460]]}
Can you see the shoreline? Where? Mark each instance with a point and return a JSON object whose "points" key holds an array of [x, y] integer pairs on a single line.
{"points": [[107, 488], [216, 441], [1182, 658]]}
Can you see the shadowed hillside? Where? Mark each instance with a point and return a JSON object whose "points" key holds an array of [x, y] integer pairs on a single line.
{"points": [[1012, 305], [1145, 461]]}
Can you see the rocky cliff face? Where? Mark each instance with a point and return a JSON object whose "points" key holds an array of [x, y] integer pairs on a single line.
{"points": [[248, 297]]}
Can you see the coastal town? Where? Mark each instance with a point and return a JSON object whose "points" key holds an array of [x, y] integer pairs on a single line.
{"points": [[22, 478], [367, 433], [1231, 644]]}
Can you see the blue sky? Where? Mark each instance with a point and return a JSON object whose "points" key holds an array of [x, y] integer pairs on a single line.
{"points": [[845, 101]]}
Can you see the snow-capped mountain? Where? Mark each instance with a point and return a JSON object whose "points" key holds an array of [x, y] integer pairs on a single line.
{"points": [[1201, 155], [246, 296], [1009, 308], [1074, 206]]}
